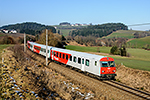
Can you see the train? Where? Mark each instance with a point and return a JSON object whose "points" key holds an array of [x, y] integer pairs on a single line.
{"points": [[101, 66]]}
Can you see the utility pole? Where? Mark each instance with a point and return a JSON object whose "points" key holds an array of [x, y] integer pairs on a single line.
{"points": [[24, 42], [46, 46]]}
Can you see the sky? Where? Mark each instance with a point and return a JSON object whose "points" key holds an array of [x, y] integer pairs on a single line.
{"points": [[53, 12]]}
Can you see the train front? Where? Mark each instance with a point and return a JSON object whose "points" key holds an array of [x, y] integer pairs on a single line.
{"points": [[107, 69]]}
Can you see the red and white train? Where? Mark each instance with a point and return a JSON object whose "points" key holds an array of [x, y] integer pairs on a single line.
{"points": [[101, 66]]}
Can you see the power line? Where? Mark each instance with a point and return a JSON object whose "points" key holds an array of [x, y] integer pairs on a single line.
{"points": [[139, 24]]}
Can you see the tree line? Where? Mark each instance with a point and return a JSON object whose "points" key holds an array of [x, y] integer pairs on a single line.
{"points": [[99, 30], [29, 28]]}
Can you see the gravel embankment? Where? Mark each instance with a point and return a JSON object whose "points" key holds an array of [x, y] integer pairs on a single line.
{"points": [[59, 80]]}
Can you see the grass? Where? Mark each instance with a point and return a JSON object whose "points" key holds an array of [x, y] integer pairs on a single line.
{"points": [[123, 33], [139, 58], [65, 32], [141, 42], [2, 34], [88, 49], [2, 47], [117, 35]]}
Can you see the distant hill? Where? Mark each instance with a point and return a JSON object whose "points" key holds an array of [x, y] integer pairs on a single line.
{"points": [[140, 43], [99, 30], [29, 27]]}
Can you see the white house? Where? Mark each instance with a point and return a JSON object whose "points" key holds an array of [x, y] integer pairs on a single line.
{"points": [[6, 31], [13, 31]]}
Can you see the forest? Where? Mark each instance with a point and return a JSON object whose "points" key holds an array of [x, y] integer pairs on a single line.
{"points": [[99, 30], [29, 28]]}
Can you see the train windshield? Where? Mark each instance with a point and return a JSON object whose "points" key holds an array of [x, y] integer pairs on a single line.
{"points": [[108, 64]]}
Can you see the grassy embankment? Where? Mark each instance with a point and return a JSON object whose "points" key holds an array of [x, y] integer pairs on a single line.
{"points": [[2, 47], [140, 42], [139, 58]]}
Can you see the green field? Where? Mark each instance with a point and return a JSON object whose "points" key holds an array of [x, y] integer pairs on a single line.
{"points": [[123, 33], [88, 49], [64, 32], [66, 29], [1, 34], [141, 42], [140, 59]]}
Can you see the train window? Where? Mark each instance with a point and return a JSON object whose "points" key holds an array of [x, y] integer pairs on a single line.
{"points": [[70, 58], [45, 50], [37, 48], [54, 53], [104, 64], [59, 55], [111, 63], [108, 64], [66, 57], [63, 56], [87, 62], [82, 61], [95, 63], [74, 59], [48, 51], [42, 49], [79, 60]]}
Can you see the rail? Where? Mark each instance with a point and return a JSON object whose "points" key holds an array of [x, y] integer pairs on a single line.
{"points": [[128, 89]]}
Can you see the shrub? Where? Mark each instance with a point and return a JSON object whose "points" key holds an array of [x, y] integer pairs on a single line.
{"points": [[7, 40], [123, 51], [114, 50]]}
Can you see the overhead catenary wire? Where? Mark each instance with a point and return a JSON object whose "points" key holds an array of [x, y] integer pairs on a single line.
{"points": [[139, 24]]}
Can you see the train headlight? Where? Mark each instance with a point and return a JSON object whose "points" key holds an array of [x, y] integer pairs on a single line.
{"points": [[113, 70], [103, 71]]}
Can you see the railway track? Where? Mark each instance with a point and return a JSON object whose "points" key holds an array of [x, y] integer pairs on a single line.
{"points": [[128, 89]]}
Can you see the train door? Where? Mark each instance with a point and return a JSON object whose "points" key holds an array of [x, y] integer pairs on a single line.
{"points": [[95, 67], [83, 64]]}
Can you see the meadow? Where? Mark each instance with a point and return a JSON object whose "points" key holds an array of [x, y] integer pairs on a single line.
{"points": [[139, 57], [65, 32], [123, 34], [140, 42]]}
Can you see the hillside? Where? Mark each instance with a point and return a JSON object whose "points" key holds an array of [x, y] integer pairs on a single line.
{"points": [[123, 34], [99, 30], [140, 43], [28, 27]]}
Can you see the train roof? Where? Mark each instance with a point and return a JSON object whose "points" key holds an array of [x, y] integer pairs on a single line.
{"points": [[41, 45], [80, 54], [76, 53]]}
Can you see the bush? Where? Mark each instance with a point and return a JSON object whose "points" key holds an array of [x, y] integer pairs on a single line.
{"points": [[7, 40], [114, 50], [123, 51]]}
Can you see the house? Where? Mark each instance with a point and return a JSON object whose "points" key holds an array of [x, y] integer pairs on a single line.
{"points": [[13, 31], [5, 30]]}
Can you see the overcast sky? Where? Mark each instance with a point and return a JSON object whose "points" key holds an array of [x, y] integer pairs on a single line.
{"points": [[52, 12]]}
